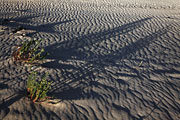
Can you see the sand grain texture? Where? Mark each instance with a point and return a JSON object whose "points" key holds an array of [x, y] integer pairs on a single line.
{"points": [[109, 59]]}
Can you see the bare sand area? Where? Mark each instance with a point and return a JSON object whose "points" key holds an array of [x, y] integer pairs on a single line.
{"points": [[108, 59]]}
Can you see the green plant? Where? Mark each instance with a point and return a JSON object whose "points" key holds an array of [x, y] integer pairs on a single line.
{"points": [[30, 51], [37, 89]]}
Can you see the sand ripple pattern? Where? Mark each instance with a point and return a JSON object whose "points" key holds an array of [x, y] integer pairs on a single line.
{"points": [[108, 60]]}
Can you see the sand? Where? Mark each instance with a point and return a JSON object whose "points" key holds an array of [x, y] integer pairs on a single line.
{"points": [[109, 59]]}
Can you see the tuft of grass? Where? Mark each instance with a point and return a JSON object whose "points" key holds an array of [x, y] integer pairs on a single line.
{"points": [[37, 89], [30, 51]]}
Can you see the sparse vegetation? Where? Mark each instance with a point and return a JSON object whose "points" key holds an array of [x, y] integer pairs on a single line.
{"points": [[30, 51], [37, 89]]}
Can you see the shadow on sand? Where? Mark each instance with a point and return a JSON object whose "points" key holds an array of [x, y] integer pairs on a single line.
{"points": [[82, 75]]}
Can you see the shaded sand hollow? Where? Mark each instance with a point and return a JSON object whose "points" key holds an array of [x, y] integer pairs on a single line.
{"points": [[109, 59]]}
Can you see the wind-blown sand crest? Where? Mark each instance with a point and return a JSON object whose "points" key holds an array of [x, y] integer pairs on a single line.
{"points": [[109, 59]]}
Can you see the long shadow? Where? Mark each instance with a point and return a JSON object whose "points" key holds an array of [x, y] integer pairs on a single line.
{"points": [[11, 99], [5, 103], [68, 50], [135, 46]]}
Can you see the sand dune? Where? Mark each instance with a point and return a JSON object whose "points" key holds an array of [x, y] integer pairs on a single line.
{"points": [[109, 59]]}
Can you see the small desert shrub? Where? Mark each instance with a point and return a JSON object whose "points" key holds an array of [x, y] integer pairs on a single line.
{"points": [[37, 89], [30, 51]]}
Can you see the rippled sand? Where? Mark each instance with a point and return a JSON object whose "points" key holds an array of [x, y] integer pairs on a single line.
{"points": [[109, 59]]}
